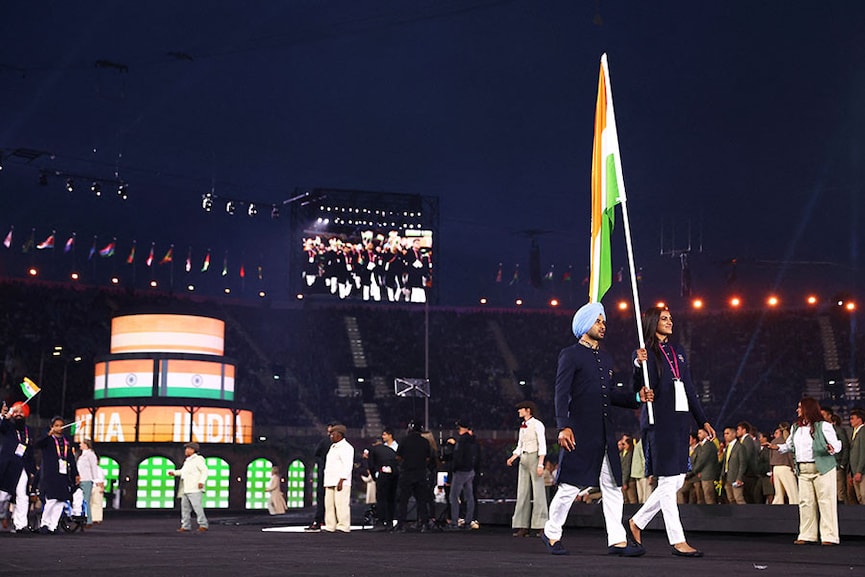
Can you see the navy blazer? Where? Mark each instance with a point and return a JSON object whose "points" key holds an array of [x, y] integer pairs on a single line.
{"points": [[666, 442], [11, 464], [585, 392]]}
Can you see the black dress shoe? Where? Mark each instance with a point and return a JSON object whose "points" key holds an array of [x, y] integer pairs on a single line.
{"points": [[694, 553]]}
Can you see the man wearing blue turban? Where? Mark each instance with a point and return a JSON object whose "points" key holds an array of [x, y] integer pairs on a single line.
{"points": [[585, 392]]}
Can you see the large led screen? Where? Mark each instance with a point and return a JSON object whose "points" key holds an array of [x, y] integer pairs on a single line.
{"points": [[161, 333], [369, 264], [196, 379], [163, 424]]}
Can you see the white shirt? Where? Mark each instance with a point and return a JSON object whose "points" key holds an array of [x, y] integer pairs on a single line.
{"points": [[804, 444], [193, 473], [339, 464], [525, 442], [88, 468]]}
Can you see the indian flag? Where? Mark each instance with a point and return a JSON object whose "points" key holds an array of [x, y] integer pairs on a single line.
{"points": [[608, 187], [29, 388]]}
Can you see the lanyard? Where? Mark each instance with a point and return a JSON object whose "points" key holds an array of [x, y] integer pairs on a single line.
{"points": [[26, 439], [674, 364], [65, 449]]}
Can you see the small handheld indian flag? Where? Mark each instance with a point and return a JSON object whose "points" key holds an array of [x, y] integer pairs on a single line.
{"points": [[29, 388]]}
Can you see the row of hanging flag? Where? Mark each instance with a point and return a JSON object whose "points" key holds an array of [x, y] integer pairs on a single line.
{"points": [[566, 276], [110, 249]]}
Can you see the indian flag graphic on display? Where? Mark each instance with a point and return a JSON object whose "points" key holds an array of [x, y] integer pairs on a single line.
{"points": [[29, 388], [608, 187]]}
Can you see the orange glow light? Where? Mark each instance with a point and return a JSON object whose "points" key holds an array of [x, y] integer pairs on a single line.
{"points": [[518, 302], [33, 271], [812, 300], [483, 300], [623, 305], [697, 304], [735, 302], [660, 304], [772, 301], [74, 276], [554, 302], [851, 306]]}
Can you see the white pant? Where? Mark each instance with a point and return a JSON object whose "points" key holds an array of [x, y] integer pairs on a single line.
{"points": [[51, 513], [784, 481], [337, 513], [612, 503], [663, 499], [818, 504], [22, 502]]}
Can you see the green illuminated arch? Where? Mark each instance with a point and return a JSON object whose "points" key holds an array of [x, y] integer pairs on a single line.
{"points": [[295, 481], [155, 487], [257, 477]]}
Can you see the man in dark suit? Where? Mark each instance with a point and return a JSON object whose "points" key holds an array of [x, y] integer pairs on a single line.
{"points": [[585, 393], [383, 467], [734, 468], [414, 455], [751, 478], [857, 454], [320, 458], [706, 467], [629, 484]]}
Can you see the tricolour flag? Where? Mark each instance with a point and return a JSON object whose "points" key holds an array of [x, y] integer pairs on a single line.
{"points": [[608, 187], [149, 260], [169, 256], [29, 388], [131, 258], [70, 243], [47, 243], [206, 264], [7, 242], [188, 266], [108, 249]]}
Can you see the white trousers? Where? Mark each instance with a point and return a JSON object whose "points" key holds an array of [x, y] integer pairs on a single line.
{"points": [[612, 503], [784, 482], [51, 513], [337, 512], [663, 499], [22, 502], [644, 489], [818, 504]]}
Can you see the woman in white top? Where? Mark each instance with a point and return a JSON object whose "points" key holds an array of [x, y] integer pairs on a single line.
{"points": [[813, 443], [276, 500], [88, 471]]}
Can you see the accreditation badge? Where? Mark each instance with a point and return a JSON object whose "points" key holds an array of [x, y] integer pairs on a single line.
{"points": [[681, 397], [62, 467], [19, 450]]}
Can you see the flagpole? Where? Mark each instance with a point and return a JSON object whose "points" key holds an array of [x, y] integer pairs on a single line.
{"points": [[636, 295]]}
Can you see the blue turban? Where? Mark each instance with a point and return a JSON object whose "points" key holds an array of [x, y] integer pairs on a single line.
{"points": [[586, 317]]}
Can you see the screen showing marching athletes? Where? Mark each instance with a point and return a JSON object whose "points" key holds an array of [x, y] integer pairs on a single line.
{"points": [[353, 245]]}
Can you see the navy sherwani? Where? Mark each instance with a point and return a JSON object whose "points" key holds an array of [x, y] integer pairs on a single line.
{"points": [[666, 442], [585, 392]]}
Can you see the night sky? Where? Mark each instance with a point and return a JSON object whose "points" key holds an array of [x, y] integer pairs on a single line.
{"points": [[742, 121]]}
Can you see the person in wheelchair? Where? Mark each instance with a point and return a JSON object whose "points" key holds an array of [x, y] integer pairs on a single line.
{"points": [[59, 474]]}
